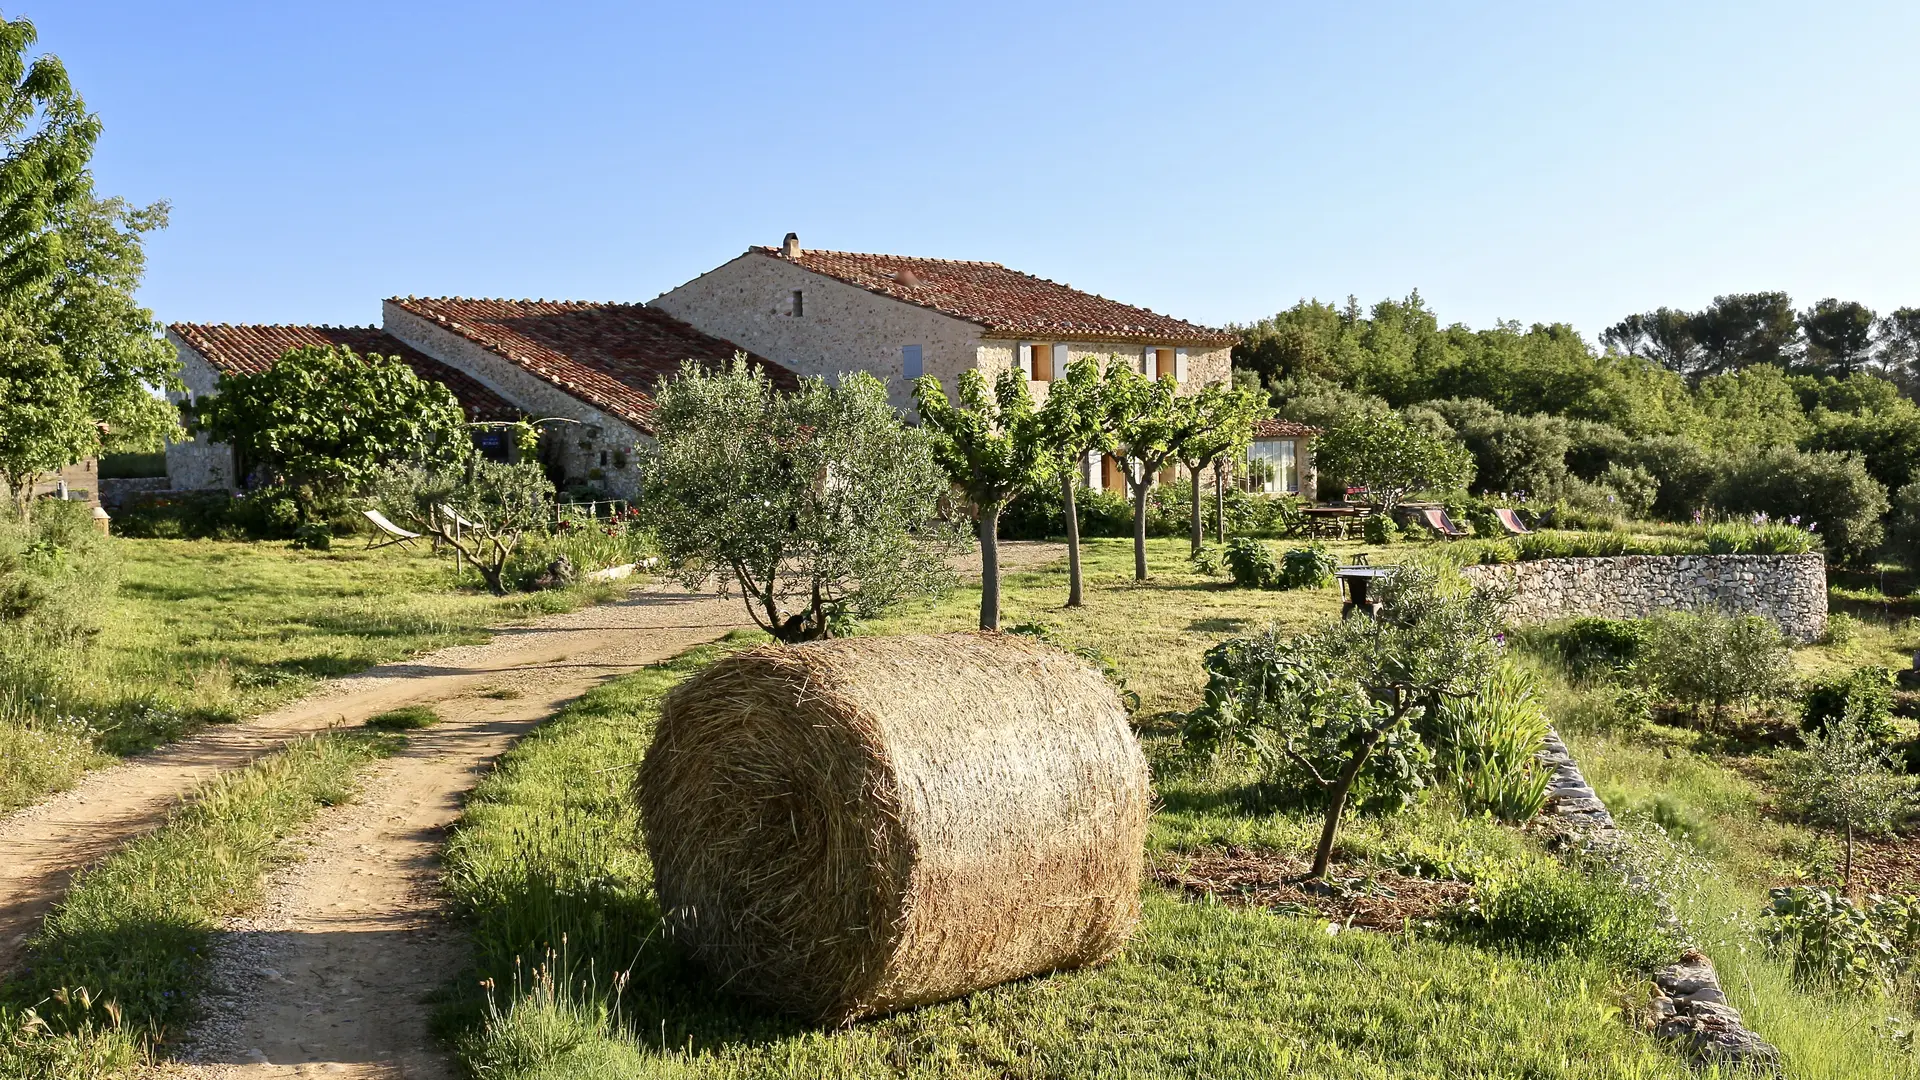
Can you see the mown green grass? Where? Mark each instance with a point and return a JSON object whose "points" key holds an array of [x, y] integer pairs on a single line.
{"points": [[203, 631], [115, 967], [549, 870]]}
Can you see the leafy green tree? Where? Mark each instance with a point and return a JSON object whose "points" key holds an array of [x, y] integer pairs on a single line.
{"points": [[478, 507], [69, 264], [1216, 422], [819, 498], [1896, 351], [1716, 660], [1833, 494], [1327, 703], [1147, 421], [993, 446], [44, 422], [1074, 423], [323, 419], [1839, 336], [1843, 779], [1392, 458], [1510, 453]]}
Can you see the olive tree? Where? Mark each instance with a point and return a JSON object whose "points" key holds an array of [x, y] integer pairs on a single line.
{"points": [[478, 507], [1846, 780], [818, 504], [992, 445], [1341, 700]]}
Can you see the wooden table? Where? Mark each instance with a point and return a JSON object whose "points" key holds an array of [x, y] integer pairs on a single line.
{"points": [[1335, 521]]}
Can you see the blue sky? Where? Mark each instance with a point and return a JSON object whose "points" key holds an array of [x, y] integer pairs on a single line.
{"points": [[1530, 161]]}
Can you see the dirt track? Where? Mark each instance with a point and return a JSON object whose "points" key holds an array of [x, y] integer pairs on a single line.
{"points": [[328, 977]]}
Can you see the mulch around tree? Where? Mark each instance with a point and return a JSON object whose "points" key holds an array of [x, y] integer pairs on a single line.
{"points": [[1375, 900], [1888, 867]]}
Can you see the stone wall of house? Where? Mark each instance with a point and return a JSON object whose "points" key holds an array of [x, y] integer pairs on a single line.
{"points": [[196, 463], [1789, 589], [599, 449], [841, 327]]}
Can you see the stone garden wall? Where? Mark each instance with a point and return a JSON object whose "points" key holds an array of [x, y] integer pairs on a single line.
{"points": [[1789, 589]]}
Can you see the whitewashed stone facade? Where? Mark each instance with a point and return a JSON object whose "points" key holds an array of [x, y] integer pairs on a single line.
{"points": [[1789, 589], [195, 462]]}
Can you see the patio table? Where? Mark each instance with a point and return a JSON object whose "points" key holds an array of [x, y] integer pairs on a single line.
{"points": [[1356, 580]]}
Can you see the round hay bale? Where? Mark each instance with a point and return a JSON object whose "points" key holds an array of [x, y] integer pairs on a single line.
{"points": [[849, 827]]}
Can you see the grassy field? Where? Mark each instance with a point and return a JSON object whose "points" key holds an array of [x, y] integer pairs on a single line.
{"points": [[202, 631]]}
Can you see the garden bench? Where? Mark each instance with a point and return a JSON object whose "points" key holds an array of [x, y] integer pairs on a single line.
{"points": [[1510, 520], [395, 534]]}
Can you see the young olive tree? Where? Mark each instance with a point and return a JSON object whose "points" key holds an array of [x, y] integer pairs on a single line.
{"points": [[322, 420], [818, 504], [478, 507], [1844, 779], [992, 446], [1075, 425], [1147, 421], [1378, 449], [1339, 701], [1218, 421]]}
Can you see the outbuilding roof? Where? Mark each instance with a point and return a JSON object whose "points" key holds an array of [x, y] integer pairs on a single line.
{"points": [[609, 355], [247, 350], [1006, 302], [1283, 429]]}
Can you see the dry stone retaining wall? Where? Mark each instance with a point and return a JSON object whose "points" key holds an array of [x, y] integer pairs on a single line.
{"points": [[1789, 589]]}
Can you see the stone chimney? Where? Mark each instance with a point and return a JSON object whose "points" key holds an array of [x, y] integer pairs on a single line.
{"points": [[790, 247]]}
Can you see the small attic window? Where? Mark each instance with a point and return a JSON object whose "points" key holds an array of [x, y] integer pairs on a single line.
{"points": [[799, 304]]}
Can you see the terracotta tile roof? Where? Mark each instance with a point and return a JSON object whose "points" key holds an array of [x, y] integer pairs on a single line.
{"points": [[1283, 429], [238, 350], [1006, 302], [608, 355]]}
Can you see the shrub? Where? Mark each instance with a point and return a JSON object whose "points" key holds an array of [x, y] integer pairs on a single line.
{"points": [[1489, 744], [1903, 526], [1683, 471], [1040, 514], [1765, 538], [1831, 492], [1249, 563], [1208, 561], [1379, 529], [1864, 695], [1848, 782], [1554, 910], [1634, 489], [1833, 942], [1716, 660], [1309, 567], [1595, 647], [1841, 629]]}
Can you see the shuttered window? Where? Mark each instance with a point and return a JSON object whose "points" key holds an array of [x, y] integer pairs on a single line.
{"points": [[1025, 359], [910, 365]]}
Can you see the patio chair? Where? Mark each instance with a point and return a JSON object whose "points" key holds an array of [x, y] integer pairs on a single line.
{"points": [[1435, 518], [1510, 520], [395, 534]]}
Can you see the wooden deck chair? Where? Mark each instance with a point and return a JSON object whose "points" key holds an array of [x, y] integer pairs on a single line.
{"points": [[395, 534], [453, 516], [1436, 519], [1510, 520]]}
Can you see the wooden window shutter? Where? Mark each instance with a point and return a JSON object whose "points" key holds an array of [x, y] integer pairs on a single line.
{"points": [[1180, 365], [1025, 360], [1059, 361], [1146, 361]]}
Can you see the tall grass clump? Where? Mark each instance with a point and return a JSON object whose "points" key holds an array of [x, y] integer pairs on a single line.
{"points": [[55, 573]]}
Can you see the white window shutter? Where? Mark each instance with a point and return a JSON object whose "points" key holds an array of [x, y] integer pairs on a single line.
{"points": [[1026, 360], [1059, 361], [1180, 364], [1093, 470], [1146, 361]]}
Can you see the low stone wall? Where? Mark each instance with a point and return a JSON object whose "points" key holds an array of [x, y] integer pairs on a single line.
{"points": [[1789, 589], [114, 493]]}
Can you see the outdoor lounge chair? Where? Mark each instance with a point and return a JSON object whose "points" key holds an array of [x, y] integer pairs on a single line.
{"points": [[395, 534], [1510, 520], [1436, 518]]}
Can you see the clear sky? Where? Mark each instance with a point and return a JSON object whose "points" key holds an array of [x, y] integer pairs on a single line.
{"points": [[1533, 161]]}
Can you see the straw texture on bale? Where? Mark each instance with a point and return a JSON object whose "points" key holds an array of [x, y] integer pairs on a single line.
{"points": [[849, 827]]}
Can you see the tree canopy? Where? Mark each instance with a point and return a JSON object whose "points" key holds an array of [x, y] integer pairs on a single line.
{"points": [[324, 419]]}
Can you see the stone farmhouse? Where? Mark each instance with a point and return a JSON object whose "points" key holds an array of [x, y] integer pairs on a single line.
{"points": [[827, 312], [795, 312]]}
